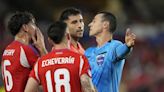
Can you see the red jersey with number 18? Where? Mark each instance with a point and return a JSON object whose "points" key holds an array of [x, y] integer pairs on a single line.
{"points": [[60, 71], [17, 61]]}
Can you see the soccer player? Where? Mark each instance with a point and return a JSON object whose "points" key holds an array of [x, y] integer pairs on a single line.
{"points": [[75, 23], [19, 56], [61, 70], [108, 57]]}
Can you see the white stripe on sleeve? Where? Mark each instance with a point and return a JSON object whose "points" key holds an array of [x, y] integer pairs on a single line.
{"points": [[81, 65], [36, 71], [23, 59]]}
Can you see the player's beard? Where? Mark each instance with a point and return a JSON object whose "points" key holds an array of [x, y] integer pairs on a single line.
{"points": [[79, 33]]}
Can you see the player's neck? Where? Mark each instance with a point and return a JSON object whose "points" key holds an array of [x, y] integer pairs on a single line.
{"points": [[104, 38], [20, 37], [62, 45], [74, 42]]}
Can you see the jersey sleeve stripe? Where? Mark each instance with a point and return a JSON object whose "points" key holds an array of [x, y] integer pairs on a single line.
{"points": [[23, 59], [69, 44], [81, 65]]}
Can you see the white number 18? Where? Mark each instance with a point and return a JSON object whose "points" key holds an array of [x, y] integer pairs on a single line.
{"points": [[58, 81]]}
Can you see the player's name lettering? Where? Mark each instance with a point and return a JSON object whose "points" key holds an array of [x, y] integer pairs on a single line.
{"points": [[61, 60], [9, 52]]}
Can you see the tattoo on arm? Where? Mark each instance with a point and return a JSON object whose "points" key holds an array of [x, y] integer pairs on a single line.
{"points": [[86, 83]]}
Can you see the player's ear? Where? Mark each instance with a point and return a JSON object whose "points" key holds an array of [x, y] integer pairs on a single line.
{"points": [[25, 27], [106, 24], [50, 41]]}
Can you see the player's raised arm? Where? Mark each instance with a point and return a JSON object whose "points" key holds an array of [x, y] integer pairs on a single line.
{"points": [[130, 38], [38, 41], [124, 49]]}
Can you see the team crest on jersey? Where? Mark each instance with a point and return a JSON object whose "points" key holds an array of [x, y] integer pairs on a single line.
{"points": [[100, 59]]}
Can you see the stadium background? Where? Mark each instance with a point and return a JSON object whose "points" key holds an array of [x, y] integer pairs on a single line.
{"points": [[144, 69]]}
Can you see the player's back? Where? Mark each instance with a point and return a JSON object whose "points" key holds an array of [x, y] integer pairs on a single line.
{"points": [[60, 71], [16, 65]]}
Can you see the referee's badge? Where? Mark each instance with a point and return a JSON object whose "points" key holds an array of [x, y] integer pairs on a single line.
{"points": [[100, 59]]}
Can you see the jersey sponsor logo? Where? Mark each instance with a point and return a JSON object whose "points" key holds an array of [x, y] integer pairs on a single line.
{"points": [[9, 52], [59, 60]]}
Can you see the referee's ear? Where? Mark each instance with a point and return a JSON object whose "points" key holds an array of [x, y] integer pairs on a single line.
{"points": [[106, 25]]}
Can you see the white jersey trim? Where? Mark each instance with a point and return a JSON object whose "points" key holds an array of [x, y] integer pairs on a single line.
{"points": [[81, 65], [23, 59], [36, 71]]}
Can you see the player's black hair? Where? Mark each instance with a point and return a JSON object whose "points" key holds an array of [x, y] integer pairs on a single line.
{"points": [[68, 12], [17, 20], [107, 16], [56, 31]]}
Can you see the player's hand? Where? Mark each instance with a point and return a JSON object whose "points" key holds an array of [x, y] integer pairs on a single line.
{"points": [[38, 42], [130, 38]]}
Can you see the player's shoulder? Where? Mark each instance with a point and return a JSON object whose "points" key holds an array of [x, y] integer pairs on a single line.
{"points": [[89, 50], [61, 53], [14, 45], [74, 53], [115, 42], [30, 49]]}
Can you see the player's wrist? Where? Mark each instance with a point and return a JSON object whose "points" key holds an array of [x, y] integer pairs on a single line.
{"points": [[128, 45]]}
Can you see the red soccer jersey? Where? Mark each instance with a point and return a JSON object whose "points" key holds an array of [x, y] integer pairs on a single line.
{"points": [[60, 71], [79, 48], [17, 61]]}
